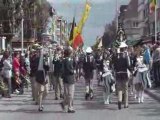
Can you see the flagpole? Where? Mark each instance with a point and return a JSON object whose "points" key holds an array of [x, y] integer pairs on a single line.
{"points": [[75, 11], [117, 14], [156, 22]]}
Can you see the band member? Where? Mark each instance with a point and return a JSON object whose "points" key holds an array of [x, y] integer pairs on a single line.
{"points": [[108, 82], [99, 63], [42, 80], [57, 61], [68, 80], [121, 66], [141, 79], [89, 68], [34, 61]]}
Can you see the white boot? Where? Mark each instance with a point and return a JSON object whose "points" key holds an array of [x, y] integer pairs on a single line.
{"points": [[142, 99], [107, 100], [87, 89], [139, 96], [139, 100], [104, 98], [135, 95]]}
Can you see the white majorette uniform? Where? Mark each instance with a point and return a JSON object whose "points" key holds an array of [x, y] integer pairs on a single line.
{"points": [[141, 79], [108, 81]]}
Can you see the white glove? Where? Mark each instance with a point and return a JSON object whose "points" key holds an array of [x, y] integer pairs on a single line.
{"points": [[100, 73]]}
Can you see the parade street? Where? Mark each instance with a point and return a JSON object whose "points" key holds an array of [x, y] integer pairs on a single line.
{"points": [[79, 59], [22, 108]]}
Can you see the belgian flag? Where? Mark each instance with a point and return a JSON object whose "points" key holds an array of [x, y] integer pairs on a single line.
{"points": [[152, 5], [71, 36]]}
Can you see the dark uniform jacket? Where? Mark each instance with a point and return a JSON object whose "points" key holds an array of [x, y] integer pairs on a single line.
{"points": [[89, 66], [57, 67], [34, 61], [41, 74], [68, 71], [121, 64]]}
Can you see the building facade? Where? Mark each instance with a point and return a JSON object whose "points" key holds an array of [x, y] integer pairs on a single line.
{"points": [[143, 17], [131, 21], [158, 16], [61, 30], [121, 17]]}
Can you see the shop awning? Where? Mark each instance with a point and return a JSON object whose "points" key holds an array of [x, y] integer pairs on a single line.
{"points": [[133, 42]]}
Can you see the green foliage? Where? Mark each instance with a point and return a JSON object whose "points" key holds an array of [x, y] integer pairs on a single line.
{"points": [[116, 44], [109, 35], [35, 14]]}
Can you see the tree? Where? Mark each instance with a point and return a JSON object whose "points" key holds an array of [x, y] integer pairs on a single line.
{"points": [[35, 14], [109, 35]]}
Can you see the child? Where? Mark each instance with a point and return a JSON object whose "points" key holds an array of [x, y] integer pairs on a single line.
{"points": [[108, 82]]}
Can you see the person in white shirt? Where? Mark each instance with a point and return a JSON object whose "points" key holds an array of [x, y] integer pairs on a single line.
{"points": [[7, 72]]}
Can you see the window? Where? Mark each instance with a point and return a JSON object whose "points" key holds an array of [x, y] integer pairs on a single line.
{"points": [[135, 24], [140, 2], [158, 3]]}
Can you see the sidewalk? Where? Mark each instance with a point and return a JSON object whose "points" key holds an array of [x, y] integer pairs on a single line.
{"points": [[154, 92]]}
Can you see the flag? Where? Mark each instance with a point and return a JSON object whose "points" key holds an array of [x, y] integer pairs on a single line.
{"points": [[77, 34], [152, 5], [78, 41], [84, 17], [71, 36]]}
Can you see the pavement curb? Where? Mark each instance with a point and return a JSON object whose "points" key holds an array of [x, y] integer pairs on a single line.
{"points": [[153, 95]]}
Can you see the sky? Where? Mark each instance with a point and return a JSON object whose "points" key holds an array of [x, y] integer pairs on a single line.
{"points": [[102, 13]]}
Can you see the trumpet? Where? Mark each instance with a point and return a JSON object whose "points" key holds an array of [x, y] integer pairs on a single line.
{"points": [[57, 57]]}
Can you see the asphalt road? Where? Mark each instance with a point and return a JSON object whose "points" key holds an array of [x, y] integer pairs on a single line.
{"points": [[21, 107]]}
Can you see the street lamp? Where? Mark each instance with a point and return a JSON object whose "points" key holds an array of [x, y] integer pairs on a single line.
{"points": [[117, 14], [22, 29]]}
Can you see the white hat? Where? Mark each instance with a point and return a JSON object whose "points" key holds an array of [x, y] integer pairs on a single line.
{"points": [[22, 54], [89, 50], [123, 45]]}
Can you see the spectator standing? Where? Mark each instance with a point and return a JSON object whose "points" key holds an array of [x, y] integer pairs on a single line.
{"points": [[7, 73], [156, 64]]}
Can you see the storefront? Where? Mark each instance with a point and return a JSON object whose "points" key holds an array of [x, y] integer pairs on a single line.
{"points": [[16, 44]]}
